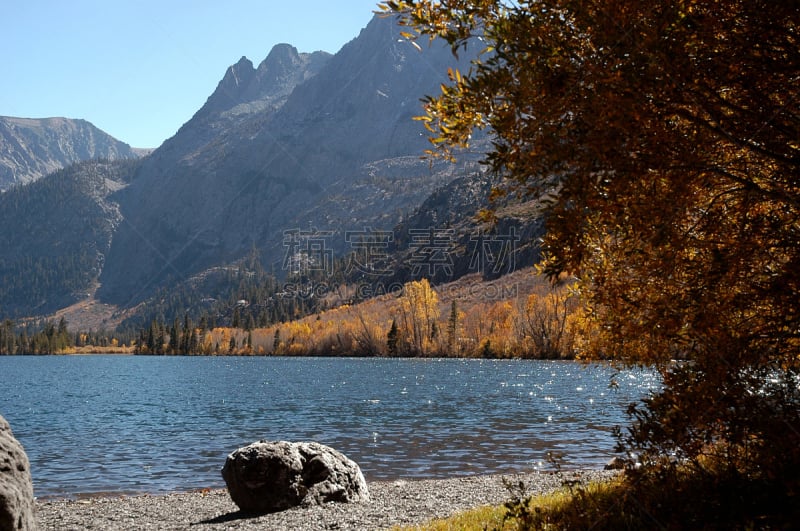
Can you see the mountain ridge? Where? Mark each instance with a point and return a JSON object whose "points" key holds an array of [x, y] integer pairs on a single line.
{"points": [[270, 170], [30, 148], [63, 225]]}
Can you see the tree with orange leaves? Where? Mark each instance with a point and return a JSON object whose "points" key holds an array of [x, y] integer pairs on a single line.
{"points": [[664, 138]]}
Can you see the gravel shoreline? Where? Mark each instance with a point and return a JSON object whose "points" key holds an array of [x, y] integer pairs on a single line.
{"points": [[392, 503]]}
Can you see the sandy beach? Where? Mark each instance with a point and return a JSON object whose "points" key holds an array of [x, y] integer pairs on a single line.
{"points": [[392, 503]]}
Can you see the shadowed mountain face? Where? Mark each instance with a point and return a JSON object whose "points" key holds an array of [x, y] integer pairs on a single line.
{"points": [[57, 232], [32, 148], [304, 141]]}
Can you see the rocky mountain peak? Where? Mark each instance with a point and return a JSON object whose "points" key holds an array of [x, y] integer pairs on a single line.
{"points": [[283, 68], [281, 57], [240, 74], [275, 78], [229, 91], [243, 99]]}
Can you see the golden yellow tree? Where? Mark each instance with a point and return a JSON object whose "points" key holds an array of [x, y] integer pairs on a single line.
{"points": [[419, 313]]}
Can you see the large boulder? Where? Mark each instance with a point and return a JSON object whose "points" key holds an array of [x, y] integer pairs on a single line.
{"points": [[272, 476], [16, 486]]}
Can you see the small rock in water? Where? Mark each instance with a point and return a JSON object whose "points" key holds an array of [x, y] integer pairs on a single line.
{"points": [[272, 476], [16, 486]]}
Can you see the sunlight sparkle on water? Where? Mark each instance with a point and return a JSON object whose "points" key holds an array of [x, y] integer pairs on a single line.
{"points": [[130, 415]]}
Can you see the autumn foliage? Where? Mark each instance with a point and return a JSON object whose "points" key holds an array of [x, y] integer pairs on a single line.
{"points": [[521, 315], [664, 138]]}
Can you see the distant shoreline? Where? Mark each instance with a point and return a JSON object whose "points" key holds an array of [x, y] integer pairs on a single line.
{"points": [[129, 351], [81, 351]]}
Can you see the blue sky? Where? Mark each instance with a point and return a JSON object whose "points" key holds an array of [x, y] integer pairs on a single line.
{"points": [[139, 69]]}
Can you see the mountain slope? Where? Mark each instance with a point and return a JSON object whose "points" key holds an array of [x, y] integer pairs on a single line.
{"points": [[444, 239], [340, 133], [56, 234], [32, 148]]}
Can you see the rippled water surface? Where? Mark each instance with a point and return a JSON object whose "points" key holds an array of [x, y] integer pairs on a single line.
{"points": [[94, 424]]}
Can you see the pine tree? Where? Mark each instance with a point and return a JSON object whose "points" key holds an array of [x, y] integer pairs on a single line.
{"points": [[276, 341], [160, 339], [235, 320], [149, 342], [452, 328], [392, 338], [174, 337]]}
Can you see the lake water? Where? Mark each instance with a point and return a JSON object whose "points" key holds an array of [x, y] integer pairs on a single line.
{"points": [[124, 424]]}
